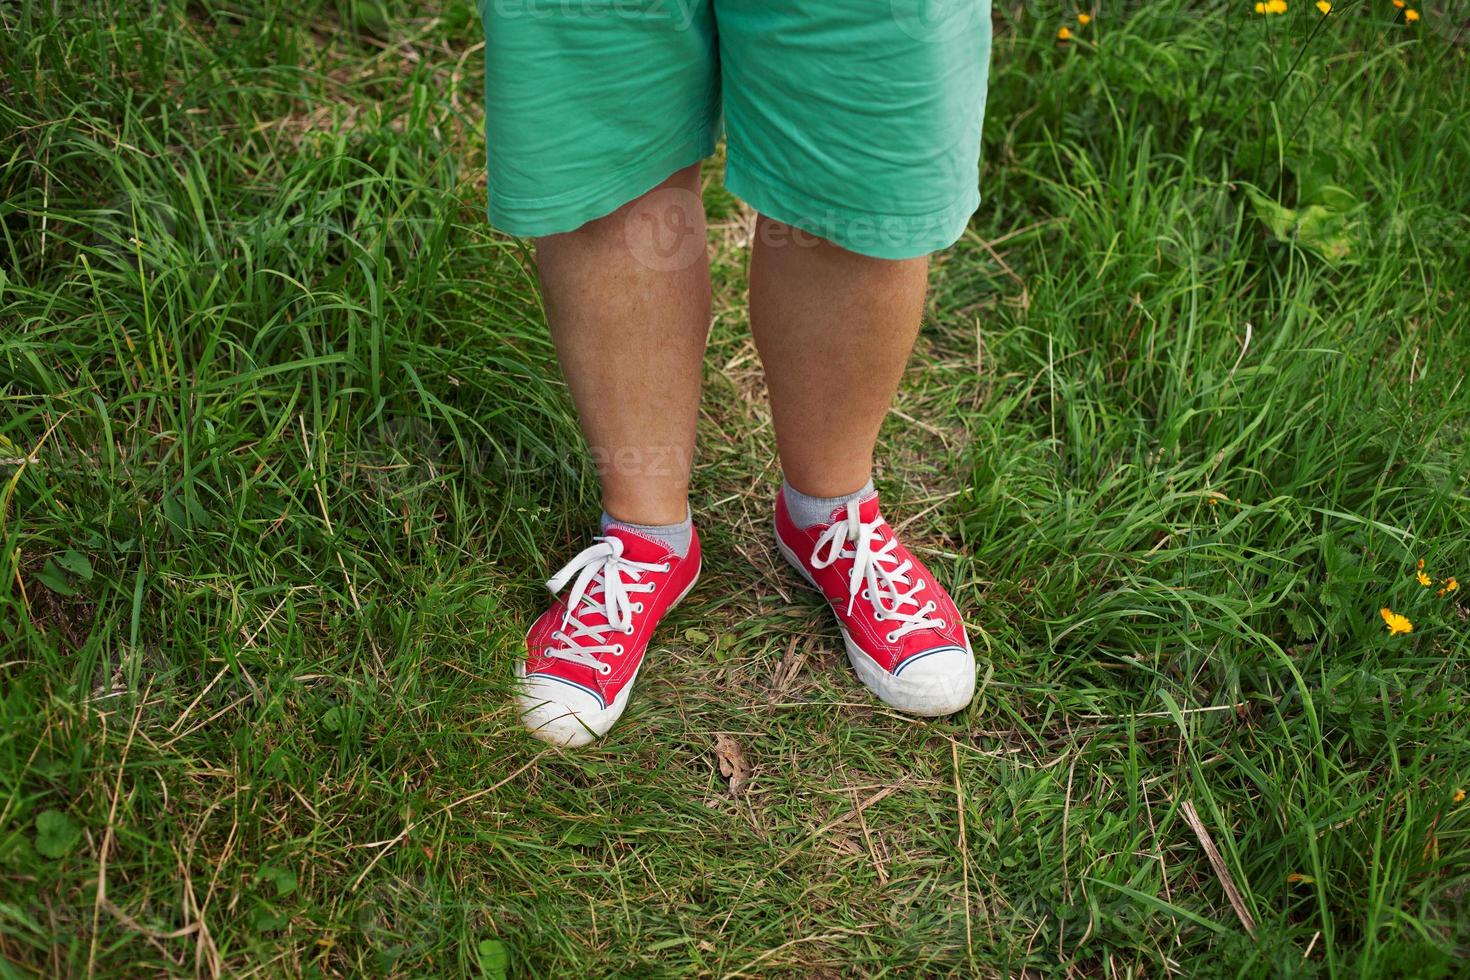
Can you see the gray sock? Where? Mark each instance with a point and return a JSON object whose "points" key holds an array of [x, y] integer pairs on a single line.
{"points": [[807, 510], [676, 537]]}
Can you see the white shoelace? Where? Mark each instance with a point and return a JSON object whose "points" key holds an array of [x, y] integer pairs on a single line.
{"points": [[876, 573], [600, 588]]}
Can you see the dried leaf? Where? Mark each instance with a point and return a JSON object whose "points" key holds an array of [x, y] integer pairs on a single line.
{"points": [[733, 765], [786, 671]]}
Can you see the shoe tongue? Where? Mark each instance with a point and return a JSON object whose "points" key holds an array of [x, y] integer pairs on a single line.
{"points": [[637, 547], [867, 510]]}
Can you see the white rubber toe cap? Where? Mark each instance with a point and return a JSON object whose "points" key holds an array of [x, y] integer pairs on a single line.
{"points": [[939, 681], [935, 682], [560, 713]]}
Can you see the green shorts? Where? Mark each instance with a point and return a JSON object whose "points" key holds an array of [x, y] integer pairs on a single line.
{"points": [[855, 120]]}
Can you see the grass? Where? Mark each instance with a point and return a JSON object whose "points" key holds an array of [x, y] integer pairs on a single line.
{"points": [[286, 458]]}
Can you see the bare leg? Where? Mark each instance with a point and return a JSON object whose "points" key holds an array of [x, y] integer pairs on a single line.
{"points": [[628, 301], [834, 329]]}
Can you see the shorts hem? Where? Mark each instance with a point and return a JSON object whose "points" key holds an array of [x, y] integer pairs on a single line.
{"points": [[877, 235], [538, 217]]}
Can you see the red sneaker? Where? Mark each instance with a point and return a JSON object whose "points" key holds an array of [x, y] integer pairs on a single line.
{"points": [[584, 653], [903, 633]]}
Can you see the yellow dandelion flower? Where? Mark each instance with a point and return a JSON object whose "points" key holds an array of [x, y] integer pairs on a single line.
{"points": [[1325, 7], [1399, 4], [1084, 19], [1459, 796], [1260, 8], [1410, 16], [1276, 6], [1424, 580], [1396, 623], [1451, 584], [1064, 34]]}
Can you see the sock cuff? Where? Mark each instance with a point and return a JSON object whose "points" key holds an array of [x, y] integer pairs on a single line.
{"points": [[675, 536], [807, 510], [651, 528]]}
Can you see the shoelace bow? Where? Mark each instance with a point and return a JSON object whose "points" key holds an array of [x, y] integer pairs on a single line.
{"points": [[875, 566], [599, 589]]}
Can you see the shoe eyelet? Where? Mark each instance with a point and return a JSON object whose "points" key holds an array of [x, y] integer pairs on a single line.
{"points": [[618, 650], [605, 669], [890, 638], [637, 607], [878, 615], [628, 630]]}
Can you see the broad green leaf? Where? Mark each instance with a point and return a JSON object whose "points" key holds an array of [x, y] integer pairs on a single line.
{"points": [[283, 878], [76, 563], [56, 833], [55, 579], [266, 918], [494, 959], [1316, 228]]}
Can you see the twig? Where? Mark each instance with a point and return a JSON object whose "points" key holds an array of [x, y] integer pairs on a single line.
{"points": [[959, 797], [1227, 881], [107, 836]]}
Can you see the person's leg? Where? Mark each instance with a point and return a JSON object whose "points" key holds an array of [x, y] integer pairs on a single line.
{"points": [[584, 117], [628, 301], [857, 121], [834, 329]]}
